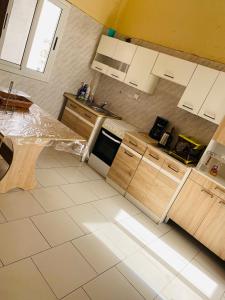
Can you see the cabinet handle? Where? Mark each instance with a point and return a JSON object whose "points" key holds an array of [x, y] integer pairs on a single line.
{"points": [[220, 189], [222, 202], [173, 168], [134, 84], [188, 107], [55, 44], [207, 192], [128, 153], [213, 118], [88, 116], [100, 69], [133, 143], [170, 76], [114, 75], [5, 22], [153, 155]]}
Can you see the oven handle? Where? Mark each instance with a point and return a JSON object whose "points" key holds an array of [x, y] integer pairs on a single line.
{"points": [[111, 138]]}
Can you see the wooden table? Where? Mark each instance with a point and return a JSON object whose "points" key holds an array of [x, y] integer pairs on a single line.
{"points": [[23, 136]]}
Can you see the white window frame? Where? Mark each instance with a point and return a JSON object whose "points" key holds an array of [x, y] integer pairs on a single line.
{"points": [[22, 69]]}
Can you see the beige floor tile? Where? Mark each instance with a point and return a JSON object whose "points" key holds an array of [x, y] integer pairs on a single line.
{"points": [[116, 208], [64, 269], [120, 238], [142, 231], [72, 174], [163, 227], [174, 249], [87, 217], [100, 253], [20, 239], [111, 285], [57, 227], [47, 161], [49, 177], [68, 160], [77, 295], [52, 198], [146, 274], [19, 205], [90, 173], [206, 276], [102, 189], [79, 192], [22, 281]]}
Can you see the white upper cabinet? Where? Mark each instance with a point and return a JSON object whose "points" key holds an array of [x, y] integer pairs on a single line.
{"points": [[124, 52], [174, 69], [198, 88], [213, 108], [107, 46], [139, 73]]}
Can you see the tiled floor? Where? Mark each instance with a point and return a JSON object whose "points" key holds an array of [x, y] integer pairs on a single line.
{"points": [[75, 238]]}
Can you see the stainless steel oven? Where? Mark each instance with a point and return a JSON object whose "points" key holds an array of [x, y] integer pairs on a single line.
{"points": [[104, 151]]}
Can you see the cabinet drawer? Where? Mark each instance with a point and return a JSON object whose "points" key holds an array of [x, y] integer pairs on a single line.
{"points": [[116, 74], [174, 69], [124, 167], [87, 115], [76, 124], [154, 155], [134, 143], [174, 168]]}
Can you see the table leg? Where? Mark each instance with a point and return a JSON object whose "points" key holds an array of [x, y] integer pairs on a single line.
{"points": [[21, 172]]}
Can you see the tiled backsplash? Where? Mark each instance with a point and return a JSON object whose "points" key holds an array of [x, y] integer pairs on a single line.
{"points": [[163, 102]]}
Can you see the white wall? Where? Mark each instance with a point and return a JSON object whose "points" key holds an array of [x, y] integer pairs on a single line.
{"points": [[72, 64]]}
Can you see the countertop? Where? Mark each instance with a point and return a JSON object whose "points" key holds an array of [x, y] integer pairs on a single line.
{"points": [[89, 106], [118, 127]]}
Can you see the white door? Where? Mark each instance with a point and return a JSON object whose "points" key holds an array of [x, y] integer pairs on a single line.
{"points": [[139, 73], [198, 89], [107, 46], [213, 108], [174, 69], [124, 52]]}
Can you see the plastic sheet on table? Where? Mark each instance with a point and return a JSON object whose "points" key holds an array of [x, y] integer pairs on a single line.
{"points": [[38, 127], [76, 147]]}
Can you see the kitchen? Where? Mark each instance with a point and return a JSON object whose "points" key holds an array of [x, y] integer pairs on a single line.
{"points": [[121, 228]]}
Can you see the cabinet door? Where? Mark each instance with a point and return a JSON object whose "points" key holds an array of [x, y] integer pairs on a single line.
{"points": [[191, 206], [198, 88], [174, 69], [124, 52], [76, 124], [107, 46], [116, 74], [124, 166], [211, 232], [161, 194], [100, 67], [142, 182], [139, 73], [213, 108]]}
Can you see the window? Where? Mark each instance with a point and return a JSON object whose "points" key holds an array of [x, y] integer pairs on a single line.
{"points": [[30, 32]]}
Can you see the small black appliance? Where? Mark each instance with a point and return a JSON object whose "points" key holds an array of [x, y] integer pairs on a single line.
{"points": [[158, 128]]}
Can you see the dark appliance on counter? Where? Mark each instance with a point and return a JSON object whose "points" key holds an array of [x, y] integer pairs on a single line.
{"points": [[158, 128], [166, 139], [187, 150]]}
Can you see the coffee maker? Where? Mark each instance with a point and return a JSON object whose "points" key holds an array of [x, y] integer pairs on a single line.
{"points": [[158, 128]]}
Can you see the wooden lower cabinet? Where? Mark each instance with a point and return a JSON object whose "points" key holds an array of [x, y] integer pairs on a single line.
{"points": [[124, 167], [219, 135], [76, 124], [152, 188], [191, 206], [211, 232]]}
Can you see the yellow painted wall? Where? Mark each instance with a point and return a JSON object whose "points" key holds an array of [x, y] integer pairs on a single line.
{"points": [[194, 26], [104, 11]]}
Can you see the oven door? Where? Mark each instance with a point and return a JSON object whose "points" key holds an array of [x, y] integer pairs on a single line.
{"points": [[106, 146]]}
